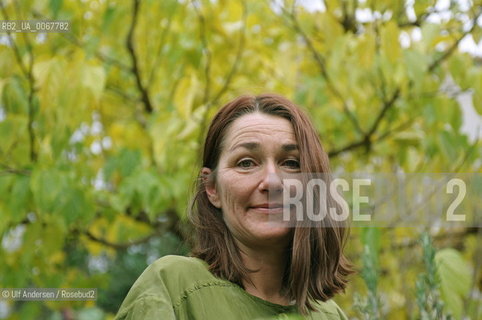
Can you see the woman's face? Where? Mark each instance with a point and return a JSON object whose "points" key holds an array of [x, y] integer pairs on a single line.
{"points": [[256, 151]]}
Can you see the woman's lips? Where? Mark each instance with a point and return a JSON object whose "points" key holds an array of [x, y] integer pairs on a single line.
{"points": [[268, 208]]}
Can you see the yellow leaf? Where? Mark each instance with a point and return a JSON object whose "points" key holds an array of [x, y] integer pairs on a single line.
{"points": [[184, 97], [94, 248], [129, 134], [2, 84], [125, 229], [93, 78], [41, 71], [366, 50], [56, 257], [99, 229], [390, 43], [331, 28], [49, 77]]}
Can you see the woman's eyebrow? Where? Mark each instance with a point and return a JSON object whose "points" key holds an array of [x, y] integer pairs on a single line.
{"points": [[255, 145], [289, 147], [246, 145]]}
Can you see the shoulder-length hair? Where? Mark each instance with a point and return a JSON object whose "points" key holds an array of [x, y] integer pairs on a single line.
{"points": [[317, 268]]}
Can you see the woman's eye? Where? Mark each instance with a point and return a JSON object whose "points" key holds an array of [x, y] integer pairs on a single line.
{"points": [[292, 164], [246, 163]]}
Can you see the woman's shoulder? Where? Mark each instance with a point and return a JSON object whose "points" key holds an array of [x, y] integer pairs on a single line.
{"points": [[174, 263], [171, 274], [331, 309], [161, 284], [181, 269]]}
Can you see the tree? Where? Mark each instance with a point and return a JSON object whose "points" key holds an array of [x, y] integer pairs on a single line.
{"points": [[101, 127]]}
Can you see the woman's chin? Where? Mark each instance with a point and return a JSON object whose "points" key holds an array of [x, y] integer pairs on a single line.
{"points": [[271, 231]]}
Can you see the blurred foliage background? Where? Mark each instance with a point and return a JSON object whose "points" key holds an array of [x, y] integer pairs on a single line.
{"points": [[101, 129]]}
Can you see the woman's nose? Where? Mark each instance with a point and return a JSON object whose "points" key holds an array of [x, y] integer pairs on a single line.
{"points": [[271, 179]]}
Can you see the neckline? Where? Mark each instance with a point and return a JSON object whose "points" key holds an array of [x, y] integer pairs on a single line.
{"points": [[266, 302], [291, 307]]}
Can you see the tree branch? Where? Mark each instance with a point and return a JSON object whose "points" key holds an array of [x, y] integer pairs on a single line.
{"points": [[10, 170], [205, 50], [418, 20], [28, 73], [348, 20], [392, 131], [323, 70], [237, 59], [120, 246], [173, 225], [367, 140], [134, 60], [419, 205], [229, 75], [454, 45], [346, 148], [386, 106], [121, 93], [101, 56], [162, 41]]}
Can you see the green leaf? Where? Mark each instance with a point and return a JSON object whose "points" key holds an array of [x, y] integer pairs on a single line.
{"points": [[477, 94], [55, 6], [416, 64], [74, 206], [12, 129], [5, 184], [455, 278], [125, 162], [459, 65], [477, 35], [19, 199], [371, 238], [46, 187], [448, 145], [109, 15], [430, 31], [420, 6], [15, 97], [152, 194]]}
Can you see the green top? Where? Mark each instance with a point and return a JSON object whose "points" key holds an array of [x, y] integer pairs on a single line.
{"points": [[176, 287]]}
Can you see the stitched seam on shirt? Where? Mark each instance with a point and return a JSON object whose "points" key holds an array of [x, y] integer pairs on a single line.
{"points": [[279, 307], [133, 303], [198, 287]]}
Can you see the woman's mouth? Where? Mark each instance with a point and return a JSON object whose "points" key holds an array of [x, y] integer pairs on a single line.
{"points": [[268, 208]]}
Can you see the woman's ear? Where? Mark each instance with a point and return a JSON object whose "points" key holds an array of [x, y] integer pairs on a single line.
{"points": [[210, 187]]}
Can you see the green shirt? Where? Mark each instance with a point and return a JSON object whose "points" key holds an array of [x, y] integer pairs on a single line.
{"points": [[182, 288]]}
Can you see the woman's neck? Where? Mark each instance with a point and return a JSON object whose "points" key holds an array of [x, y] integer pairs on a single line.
{"points": [[267, 282]]}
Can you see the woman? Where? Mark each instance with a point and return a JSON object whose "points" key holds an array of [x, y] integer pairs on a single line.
{"points": [[244, 266]]}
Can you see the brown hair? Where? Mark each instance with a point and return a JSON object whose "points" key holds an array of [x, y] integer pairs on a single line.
{"points": [[317, 268]]}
